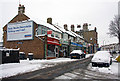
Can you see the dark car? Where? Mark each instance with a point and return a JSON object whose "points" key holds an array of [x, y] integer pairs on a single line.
{"points": [[77, 54]]}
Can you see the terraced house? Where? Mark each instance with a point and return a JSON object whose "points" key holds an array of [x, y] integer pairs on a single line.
{"points": [[43, 39]]}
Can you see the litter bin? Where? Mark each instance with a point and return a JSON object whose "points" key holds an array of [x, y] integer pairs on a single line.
{"points": [[30, 56], [22, 56]]}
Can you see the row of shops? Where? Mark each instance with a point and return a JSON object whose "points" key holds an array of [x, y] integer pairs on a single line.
{"points": [[32, 36], [60, 48]]}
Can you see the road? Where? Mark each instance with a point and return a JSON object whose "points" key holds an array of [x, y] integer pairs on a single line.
{"points": [[80, 74], [76, 70], [52, 72]]}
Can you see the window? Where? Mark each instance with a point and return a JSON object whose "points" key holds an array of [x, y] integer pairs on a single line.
{"points": [[38, 30], [44, 31], [56, 36], [52, 35], [65, 36], [51, 52]]}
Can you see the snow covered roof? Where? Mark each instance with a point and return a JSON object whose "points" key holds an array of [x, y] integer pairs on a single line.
{"points": [[63, 30], [41, 22], [76, 34], [9, 49], [77, 51], [70, 33], [48, 25], [60, 28]]}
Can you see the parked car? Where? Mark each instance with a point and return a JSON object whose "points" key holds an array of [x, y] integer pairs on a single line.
{"points": [[102, 59], [77, 54]]}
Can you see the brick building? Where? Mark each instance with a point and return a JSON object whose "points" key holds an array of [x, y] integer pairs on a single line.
{"points": [[91, 36], [110, 47], [30, 35], [32, 45]]}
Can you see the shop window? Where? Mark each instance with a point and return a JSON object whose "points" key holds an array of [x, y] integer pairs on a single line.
{"points": [[51, 52]]}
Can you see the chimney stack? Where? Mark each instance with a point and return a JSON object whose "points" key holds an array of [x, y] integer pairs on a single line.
{"points": [[21, 9], [65, 27], [95, 29], [73, 28], [49, 20], [85, 26]]}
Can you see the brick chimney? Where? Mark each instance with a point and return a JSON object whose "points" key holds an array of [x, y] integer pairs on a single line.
{"points": [[73, 28], [49, 20], [95, 29], [65, 27], [21, 9], [85, 26]]}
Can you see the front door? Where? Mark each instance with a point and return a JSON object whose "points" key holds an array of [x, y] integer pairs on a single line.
{"points": [[56, 51]]}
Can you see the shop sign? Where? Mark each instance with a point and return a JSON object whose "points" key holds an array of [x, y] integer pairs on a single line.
{"points": [[52, 41], [85, 44], [49, 32], [76, 44], [64, 42]]}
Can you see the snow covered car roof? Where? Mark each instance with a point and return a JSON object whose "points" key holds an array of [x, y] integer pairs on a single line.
{"points": [[102, 56], [77, 51]]}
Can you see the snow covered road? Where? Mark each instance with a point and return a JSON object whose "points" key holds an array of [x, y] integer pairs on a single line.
{"points": [[90, 74]]}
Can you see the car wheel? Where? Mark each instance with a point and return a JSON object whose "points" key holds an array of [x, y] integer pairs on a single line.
{"points": [[93, 64], [107, 65], [84, 56], [110, 61]]}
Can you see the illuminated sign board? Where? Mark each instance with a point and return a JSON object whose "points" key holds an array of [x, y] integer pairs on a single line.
{"points": [[20, 31]]}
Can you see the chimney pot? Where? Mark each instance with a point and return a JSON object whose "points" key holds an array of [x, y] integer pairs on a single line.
{"points": [[49, 20], [73, 28], [21, 9], [85, 26], [65, 27]]}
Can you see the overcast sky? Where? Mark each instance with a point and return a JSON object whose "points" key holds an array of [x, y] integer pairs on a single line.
{"points": [[98, 13]]}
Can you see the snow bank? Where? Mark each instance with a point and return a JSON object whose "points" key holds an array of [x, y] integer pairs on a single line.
{"points": [[113, 69], [11, 69]]}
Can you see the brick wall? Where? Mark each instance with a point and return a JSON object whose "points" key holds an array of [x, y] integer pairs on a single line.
{"points": [[36, 46], [91, 34]]}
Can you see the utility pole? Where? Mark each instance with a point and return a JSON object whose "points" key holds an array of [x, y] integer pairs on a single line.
{"points": [[19, 2]]}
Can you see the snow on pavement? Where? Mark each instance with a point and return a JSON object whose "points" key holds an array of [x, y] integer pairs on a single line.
{"points": [[11, 69], [113, 69]]}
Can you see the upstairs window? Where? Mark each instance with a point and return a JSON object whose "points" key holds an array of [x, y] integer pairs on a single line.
{"points": [[56, 36], [44, 31]]}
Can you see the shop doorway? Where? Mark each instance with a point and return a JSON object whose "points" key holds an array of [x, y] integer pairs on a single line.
{"points": [[56, 51]]}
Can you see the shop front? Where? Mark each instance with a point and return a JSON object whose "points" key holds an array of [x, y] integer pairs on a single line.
{"points": [[52, 48], [75, 46], [63, 48]]}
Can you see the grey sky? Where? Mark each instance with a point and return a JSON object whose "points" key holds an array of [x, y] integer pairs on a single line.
{"points": [[98, 13]]}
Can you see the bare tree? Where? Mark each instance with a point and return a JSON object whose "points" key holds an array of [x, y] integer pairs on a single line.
{"points": [[114, 28]]}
